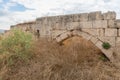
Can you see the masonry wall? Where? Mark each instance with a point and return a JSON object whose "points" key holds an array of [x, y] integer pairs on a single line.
{"points": [[105, 26], [27, 27], [93, 21], [94, 26]]}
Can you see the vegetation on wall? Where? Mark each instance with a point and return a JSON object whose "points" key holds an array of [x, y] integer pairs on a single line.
{"points": [[106, 45]]}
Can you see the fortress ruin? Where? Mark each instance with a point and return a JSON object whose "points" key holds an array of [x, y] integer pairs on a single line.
{"points": [[96, 27]]}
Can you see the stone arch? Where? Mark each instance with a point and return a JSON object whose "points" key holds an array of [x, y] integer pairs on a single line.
{"points": [[95, 40]]}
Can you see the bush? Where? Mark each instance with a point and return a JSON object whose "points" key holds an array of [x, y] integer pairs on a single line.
{"points": [[103, 58], [16, 45], [106, 45]]}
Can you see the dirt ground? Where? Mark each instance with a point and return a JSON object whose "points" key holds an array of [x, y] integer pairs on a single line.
{"points": [[75, 59]]}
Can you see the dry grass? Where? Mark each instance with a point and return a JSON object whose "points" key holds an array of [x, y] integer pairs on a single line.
{"points": [[77, 59]]}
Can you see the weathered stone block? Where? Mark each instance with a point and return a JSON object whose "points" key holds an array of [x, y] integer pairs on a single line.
{"points": [[109, 15], [69, 18], [86, 24], [101, 32], [110, 40], [100, 24], [104, 24], [63, 36], [111, 23], [111, 32], [99, 44], [58, 26], [97, 24], [76, 17], [68, 33], [85, 35], [94, 32], [117, 23], [58, 39], [73, 26], [118, 32], [63, 25], [56, 33], [118, 41], [76, 33], [94, 40], [95, 16], [84, 17]]}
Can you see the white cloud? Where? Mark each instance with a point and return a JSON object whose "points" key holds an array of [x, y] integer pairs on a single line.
{"points": [[1, 1], [54, 7]]}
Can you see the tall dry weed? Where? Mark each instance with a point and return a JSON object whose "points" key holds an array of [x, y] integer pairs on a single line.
{"points": [[74, 60]]}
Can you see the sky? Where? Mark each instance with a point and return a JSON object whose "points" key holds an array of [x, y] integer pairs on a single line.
{"points": [[17, 11]]}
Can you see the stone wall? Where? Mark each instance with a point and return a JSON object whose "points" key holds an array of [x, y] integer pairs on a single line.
{"points": [[27, 26], [96, 23], [97, 27]]}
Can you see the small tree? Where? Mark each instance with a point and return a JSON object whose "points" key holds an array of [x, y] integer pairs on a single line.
{"points": [[17, 44]]}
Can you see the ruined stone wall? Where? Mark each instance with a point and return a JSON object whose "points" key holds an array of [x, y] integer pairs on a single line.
{"points": [[95, 23], [27, 26], [99, 24], [94, 26], [105, 26]]}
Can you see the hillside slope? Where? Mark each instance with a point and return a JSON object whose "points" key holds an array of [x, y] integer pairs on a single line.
{"points": [[74, 61]]}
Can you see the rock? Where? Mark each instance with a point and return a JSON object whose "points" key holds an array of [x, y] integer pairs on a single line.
{"points": [[84, 17], [94, 40], [111, 24], [100, 24], [85, 25], [95, 16], [117, 23], [110, 32], [110, 15]]}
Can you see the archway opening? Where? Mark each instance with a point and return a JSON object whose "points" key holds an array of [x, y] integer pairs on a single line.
{"points": [[84, 49]]}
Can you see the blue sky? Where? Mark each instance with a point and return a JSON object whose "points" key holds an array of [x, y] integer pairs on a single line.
{"points": [[17, 11]]}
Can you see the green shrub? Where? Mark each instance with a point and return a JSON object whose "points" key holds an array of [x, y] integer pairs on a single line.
{"points": [[103, 58], [16, 45], [106, 45], [0, 78]]}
